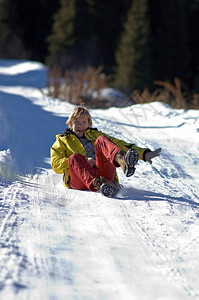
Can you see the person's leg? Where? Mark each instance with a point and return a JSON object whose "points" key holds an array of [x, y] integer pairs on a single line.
{"points": [[109, 156], [105, 151], [82, 173]]}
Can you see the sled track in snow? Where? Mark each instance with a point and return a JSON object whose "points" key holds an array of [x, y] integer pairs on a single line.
{"points": [[13, 261]]}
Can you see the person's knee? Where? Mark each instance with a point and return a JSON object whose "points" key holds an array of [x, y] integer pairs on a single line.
{"points": [[76, 157], [100, 139]]}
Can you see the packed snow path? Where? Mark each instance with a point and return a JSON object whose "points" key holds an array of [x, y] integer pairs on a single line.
{"points": [[62, 244]]}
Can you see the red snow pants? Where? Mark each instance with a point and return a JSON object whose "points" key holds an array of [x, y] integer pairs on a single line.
{"points": [[82, 173]]}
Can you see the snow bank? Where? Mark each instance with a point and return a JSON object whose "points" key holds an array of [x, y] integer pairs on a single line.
{"points": [[25, 73], [113, 97], [16, 67], [8, 166]]}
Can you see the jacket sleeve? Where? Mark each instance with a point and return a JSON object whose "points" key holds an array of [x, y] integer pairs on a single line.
{"points": [[59, 160]]}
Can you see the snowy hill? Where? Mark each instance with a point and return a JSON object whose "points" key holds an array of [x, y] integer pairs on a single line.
{"points": [[61, 244]]}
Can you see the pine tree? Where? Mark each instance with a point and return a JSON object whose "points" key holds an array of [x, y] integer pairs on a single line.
{"points": [[62, 31], [133, 54], [70, 40]]}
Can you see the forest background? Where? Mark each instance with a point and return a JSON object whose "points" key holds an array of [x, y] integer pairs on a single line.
{"points": [[141, 43]]}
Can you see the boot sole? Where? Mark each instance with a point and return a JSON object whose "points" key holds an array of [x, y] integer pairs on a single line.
{"points": [[109, 190], [132, 158]]}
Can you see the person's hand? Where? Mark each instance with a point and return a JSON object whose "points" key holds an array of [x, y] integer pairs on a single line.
{"points": [[91, 161], [152, 154]]}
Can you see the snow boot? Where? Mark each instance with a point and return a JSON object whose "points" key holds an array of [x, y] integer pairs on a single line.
{"points": [[127, 161], [106, 188]]}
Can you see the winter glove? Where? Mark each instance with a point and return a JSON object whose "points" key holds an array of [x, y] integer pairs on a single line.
{"points": [[152, 154]]}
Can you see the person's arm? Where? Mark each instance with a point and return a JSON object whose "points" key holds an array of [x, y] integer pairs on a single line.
{"points": [[59, 160]]}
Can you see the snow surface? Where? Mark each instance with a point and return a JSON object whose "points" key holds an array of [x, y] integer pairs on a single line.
{"points": [[61, 244]]}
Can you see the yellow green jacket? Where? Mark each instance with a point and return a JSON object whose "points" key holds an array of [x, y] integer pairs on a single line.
{"points": [[68, 144]]}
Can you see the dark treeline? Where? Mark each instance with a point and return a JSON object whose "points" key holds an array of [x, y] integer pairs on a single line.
{"points": [[138, 41]]}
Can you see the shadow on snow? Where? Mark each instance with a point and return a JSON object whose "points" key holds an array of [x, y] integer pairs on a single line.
{"points": [[143, 195], [28, 131]]}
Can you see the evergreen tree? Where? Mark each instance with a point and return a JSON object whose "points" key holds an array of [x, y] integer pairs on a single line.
{"points": [[62, 31], [170, 47], [70, 40], [133, 54]]}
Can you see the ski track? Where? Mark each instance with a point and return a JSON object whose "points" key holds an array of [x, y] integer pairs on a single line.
{"points": [[117, 247], [59, 244]]}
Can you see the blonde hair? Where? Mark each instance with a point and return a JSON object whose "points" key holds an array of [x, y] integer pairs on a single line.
{"points": [[77, 112]]}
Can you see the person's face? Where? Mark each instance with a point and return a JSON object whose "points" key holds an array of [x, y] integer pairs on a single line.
{"points": [[79, 125]]}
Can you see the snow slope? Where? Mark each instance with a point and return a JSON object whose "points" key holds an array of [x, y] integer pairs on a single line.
{"points": [[59, 244]]}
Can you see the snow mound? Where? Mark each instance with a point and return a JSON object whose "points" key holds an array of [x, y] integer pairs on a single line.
{"points": [[4, 125], [113, 97], [8, 168], [18, 67], [22, 73]]}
